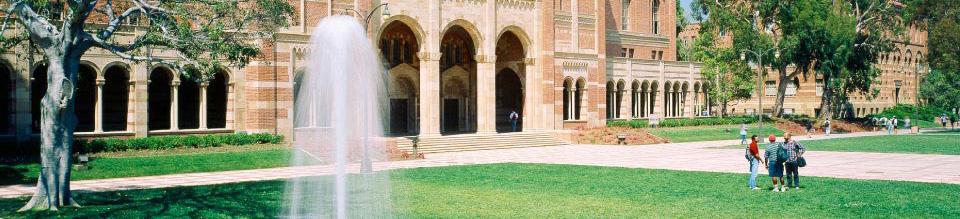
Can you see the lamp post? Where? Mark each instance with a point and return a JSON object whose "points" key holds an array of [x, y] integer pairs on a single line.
{"points": [[366, 19], [743, 57], [366, 165]]}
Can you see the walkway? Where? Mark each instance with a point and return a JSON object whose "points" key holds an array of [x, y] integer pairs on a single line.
{"points": [[693, 156]]}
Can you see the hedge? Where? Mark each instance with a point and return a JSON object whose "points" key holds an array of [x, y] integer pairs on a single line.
{"points": [[170, 142], [685, 122], [11, 151], [925, 113]]}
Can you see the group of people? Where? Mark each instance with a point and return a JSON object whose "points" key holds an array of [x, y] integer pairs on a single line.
{"points": [[778, 156], [890, 124]]}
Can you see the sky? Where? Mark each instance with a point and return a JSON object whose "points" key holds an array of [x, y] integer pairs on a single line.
{"points": [[686, 8]]}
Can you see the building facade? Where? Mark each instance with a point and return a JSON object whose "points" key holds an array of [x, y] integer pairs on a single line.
{"points": [[454, 66]]}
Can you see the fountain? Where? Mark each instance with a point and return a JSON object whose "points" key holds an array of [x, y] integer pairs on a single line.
{"points": [[339, 124]]}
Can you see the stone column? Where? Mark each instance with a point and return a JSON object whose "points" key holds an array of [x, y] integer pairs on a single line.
{"points": [[429, 93], [531, 96], [98, 107], [572, 105], [486, 100], [174, 105], [140, 79], [203, 105]]}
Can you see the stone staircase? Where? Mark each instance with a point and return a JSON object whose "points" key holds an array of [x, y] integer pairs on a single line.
{"points": [[474, 142]]}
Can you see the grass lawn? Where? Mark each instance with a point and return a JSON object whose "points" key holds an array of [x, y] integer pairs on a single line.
{"points": [[175, 161], [945, 142], [547, 191], [710, 133]]}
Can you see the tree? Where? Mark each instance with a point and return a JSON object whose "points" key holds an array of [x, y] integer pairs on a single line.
{"points": [[856, 33], [730, 79], [205, 35], [941, 20]]}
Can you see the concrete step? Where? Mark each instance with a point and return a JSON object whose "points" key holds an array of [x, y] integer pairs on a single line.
{"points": [[472, 142]]}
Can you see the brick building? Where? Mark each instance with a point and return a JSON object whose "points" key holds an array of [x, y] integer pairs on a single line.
{"points": [[455, 66]]}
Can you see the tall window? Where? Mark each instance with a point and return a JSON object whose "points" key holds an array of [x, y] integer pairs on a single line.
{"points": [[656, 17], [771, 88], [819, 87], [792, 88], [624, 12]]}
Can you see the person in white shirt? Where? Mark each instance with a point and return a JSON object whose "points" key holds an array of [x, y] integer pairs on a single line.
{"points": [[654, 122], [514, 117]]}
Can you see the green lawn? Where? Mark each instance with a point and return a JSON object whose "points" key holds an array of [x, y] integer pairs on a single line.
{"points": [[158, 164], [548, 191], [710, 133], [945, 142]]}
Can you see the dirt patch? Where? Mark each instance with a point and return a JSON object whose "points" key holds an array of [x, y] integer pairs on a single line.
{"points": [[843, 127], [796, 128], [608, 136]]}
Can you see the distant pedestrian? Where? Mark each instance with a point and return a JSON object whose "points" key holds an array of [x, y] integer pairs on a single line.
{"points": [[883, 122], [654, 121], [826, 127], [876, 122], [743, 133], [514, 117], [889, 125], [894, 125], [809, 126], [943, 119], [906, 125], [753, 156], [794, 151], [774, 166]]}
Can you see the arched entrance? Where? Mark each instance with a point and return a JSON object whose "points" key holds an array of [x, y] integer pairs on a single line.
{"points": [[458, 90], [217, 100], [159, 99], [188, 104], [509, 99], [509, 82], [6, 89], [86, 98], [115, 98], [398, 47]]}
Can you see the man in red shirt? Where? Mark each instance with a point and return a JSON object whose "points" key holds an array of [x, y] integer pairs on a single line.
{"points": [[755, 160]]}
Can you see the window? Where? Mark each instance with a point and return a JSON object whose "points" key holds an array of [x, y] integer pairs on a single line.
{"points": [[819, 87], [653, 55], [748, 111], [791, 88], [788, 111], [770, 88], [624, 12], [660, 55], [656, 17], [626, 52]]}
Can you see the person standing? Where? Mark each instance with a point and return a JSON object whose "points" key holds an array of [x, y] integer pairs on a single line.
{"points": [[889, 125], [943, 119], [743, 133], [809, 126], [514, 117], [654, 122], [826, 128], [753, 156], [906, 124], [794, 150], [774, 166], [894, 125]]}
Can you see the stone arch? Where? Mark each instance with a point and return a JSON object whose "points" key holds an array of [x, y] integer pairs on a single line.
{"points": [[521, 35], [409, 22], [458, 45], [471, 31], [611, 99], [116, 93], [188, 102], [621, 86], [578, 97], [635, 99], [667, 98], [85, 97], [399, 43], [654, 86], [458, 106], [160, 98], [218, 92], [8, 100]]}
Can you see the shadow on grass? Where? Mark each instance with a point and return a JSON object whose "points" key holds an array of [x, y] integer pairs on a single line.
{"points": [[13, 175], [256, 200]]}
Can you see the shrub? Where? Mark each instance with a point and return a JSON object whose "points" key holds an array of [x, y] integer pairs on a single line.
{"points": [[685, 122]]}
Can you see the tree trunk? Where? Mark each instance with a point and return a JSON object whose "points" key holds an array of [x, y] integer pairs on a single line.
{"points": [[57, 124], [781, 92], [826, 101]]}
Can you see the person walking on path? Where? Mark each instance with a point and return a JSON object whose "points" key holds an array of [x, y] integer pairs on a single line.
{"points": [[753, 156], [809, 126], [894, 124], [889, 125], [743, 133], [514, 117], [794, 151], [774, 166], [943, 119], [906, 125]]}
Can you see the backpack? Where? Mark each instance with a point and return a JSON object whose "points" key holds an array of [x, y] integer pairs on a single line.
{"points": [[782, 155], [746, 154]]}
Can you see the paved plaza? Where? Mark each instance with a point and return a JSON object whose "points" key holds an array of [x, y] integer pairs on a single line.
{"points": [[692, 156]]}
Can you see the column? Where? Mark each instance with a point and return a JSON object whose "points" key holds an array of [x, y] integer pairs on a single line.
{"points": [[203, 105], [139, 79], [486, 102], [531, 96], [667, 100], [98, 107], [429, 93], [571, 105], [174, 105]]}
